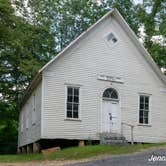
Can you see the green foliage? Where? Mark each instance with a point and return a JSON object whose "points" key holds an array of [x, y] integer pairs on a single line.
{"points": [[152, 15], [24, 48], [8, 127], [70, 18]]}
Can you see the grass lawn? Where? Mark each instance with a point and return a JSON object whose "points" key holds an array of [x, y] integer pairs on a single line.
{"points": [[79, 152]]}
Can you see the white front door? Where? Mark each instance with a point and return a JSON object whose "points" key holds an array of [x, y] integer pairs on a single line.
{"points": [[110, 116]]}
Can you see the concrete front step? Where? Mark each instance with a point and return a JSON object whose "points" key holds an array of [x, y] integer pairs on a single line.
{"points": [[113, 139], [116, 142], [119, 144]]}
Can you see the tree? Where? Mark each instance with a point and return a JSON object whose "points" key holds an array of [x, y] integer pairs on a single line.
{"points": [[24, 48], [69, 18], [152, 15]]}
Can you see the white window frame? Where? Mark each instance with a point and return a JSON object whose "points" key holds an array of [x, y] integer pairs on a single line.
{"points": [[27, 118], [110, 44], [33, 109], [150, 109], [79, 107], [21, 122]]}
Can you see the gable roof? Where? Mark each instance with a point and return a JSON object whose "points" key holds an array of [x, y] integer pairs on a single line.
{"points": [[128, 30]]}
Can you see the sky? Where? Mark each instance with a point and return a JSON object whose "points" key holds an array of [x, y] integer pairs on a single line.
{"points": [[138, 1]]}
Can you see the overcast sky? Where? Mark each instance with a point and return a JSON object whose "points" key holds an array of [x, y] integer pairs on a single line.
{"points": [[138, 1]]}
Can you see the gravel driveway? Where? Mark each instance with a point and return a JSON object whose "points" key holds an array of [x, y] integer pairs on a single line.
{"points": [[136, 159]]}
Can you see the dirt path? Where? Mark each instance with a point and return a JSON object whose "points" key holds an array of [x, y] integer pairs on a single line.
{"points": [[46, 163]]}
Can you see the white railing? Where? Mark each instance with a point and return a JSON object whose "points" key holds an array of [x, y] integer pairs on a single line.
{"points": [[131, 131]]}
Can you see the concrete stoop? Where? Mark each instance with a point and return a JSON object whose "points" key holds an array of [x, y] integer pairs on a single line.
{"points": [[113, 139]]}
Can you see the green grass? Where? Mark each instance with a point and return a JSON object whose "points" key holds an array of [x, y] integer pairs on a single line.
{"points": [[79, 152]]}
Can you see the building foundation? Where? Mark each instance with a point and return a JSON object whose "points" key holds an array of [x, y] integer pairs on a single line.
{"points": [[36, 147], [30, 148], [81, 143], [24, 149]]}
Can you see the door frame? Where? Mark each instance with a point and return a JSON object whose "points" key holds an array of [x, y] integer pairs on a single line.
{"points": [[101, 106]]}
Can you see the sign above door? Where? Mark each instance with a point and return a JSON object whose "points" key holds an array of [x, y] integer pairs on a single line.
{"points": [[110, 78]]}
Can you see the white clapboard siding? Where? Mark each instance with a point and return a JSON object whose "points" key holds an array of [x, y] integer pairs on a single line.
{"points": [[80, 65], [31, 131]]}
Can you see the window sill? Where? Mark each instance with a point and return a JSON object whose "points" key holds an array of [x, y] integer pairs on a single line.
{"points": [[72, 119], [146, 125]]}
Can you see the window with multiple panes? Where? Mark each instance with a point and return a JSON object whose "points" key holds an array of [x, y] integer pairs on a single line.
{"points": [[33, 109], [144, 109], [27, 118], [22, 121], [110, 93], [72, 102]]}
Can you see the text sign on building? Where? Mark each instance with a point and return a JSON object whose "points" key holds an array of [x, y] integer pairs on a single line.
{"points": [[110, 78]]}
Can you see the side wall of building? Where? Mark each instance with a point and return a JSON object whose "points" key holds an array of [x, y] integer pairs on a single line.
{"points": [[30, 118]]}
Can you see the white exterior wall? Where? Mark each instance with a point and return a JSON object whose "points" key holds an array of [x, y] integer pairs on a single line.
{"points": [[31, 132], [93, 56]]}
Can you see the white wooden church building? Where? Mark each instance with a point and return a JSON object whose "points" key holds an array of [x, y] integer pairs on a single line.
{"points": [[104, 81]]}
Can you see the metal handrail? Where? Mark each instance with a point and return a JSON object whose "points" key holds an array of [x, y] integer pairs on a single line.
{"points": [[127, 124], [132, 128]]}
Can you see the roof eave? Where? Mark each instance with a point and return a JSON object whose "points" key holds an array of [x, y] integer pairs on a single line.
{"points": [[36, 80]]}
